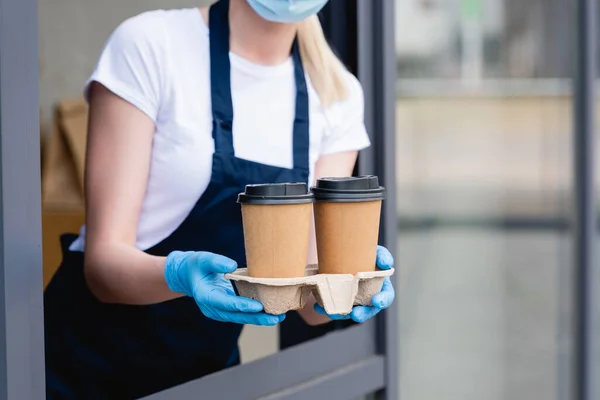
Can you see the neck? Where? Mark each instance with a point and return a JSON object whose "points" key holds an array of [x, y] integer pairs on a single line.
{"points": [[257, 40]]}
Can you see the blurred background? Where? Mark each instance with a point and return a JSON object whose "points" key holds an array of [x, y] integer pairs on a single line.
{"points": [[484, 131], [483, 134]]}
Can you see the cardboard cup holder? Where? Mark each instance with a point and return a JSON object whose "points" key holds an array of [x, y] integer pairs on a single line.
{"points": [[336, 293], [276, 219]]}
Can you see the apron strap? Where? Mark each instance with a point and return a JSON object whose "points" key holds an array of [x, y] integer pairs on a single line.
{"points": [[220, 77], [222, 103], [301, 120]]}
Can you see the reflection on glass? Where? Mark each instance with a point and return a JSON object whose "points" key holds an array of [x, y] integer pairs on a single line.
{"points": [[484, 139]]}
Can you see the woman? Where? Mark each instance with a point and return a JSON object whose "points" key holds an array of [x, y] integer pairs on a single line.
{"points": [[147, 307]]}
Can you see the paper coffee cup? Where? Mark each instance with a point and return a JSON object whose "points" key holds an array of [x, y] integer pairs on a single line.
{"points": [[347, 214], [276, 220]]}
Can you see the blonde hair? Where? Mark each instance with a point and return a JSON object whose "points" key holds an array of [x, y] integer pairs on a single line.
{"points": [[324, 68]]}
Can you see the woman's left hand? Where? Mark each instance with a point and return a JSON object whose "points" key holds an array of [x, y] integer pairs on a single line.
{"points": [[381, 300]]}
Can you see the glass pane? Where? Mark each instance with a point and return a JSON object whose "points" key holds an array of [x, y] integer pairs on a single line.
{"points": [[484, 130]]}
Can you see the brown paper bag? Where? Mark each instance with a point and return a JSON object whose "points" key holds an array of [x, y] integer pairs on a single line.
{"points": [[64, 158], [63, 164]]}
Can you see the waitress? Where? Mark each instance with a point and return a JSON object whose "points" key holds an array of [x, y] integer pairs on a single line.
{"points": [[186, 108]]}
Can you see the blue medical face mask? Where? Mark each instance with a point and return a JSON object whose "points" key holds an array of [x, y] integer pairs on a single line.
{"points": [[287, 10]]}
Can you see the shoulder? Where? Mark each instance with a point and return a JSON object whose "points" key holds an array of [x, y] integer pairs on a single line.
{"points": [[137, 57], [151, 30], [355, 89], [355, 99], [346, 129], [352, 106], [146, 28]]}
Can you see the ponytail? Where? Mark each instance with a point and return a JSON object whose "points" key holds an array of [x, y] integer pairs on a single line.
{"points": [[325, 70]]}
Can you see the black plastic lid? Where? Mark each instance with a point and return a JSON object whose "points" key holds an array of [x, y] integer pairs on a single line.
{"points": [[276, 193], [354, 189]]}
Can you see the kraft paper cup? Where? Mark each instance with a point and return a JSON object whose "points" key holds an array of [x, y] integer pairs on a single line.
{"points": [[276, 219], [347, 214]]}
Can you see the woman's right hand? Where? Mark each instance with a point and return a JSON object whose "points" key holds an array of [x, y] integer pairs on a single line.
{"points": [[201, 275]]}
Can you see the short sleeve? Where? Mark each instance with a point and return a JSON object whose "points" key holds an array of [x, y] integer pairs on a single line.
{"points": [[347, 131], [131, 63]]}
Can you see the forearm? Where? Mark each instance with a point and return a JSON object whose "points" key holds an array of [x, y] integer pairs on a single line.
{"points": [[120, 273]]}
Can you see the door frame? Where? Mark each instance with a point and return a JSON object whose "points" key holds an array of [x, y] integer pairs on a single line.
{"points": [[360, 360], [585, 348], [21, 310]]}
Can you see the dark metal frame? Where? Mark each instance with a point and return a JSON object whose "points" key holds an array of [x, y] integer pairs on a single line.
{"points": [[345, 364], [376, 69], [21, 316], [585, 369]]}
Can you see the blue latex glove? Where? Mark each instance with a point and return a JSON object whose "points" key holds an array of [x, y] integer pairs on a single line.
{"points": [[381, 300], [201, 275]]}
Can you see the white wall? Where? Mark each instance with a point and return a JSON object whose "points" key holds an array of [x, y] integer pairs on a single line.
{"points": [[72, 34]]}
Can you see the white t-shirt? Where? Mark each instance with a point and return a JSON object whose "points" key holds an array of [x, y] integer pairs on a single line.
{"points": [[160, 62]]}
